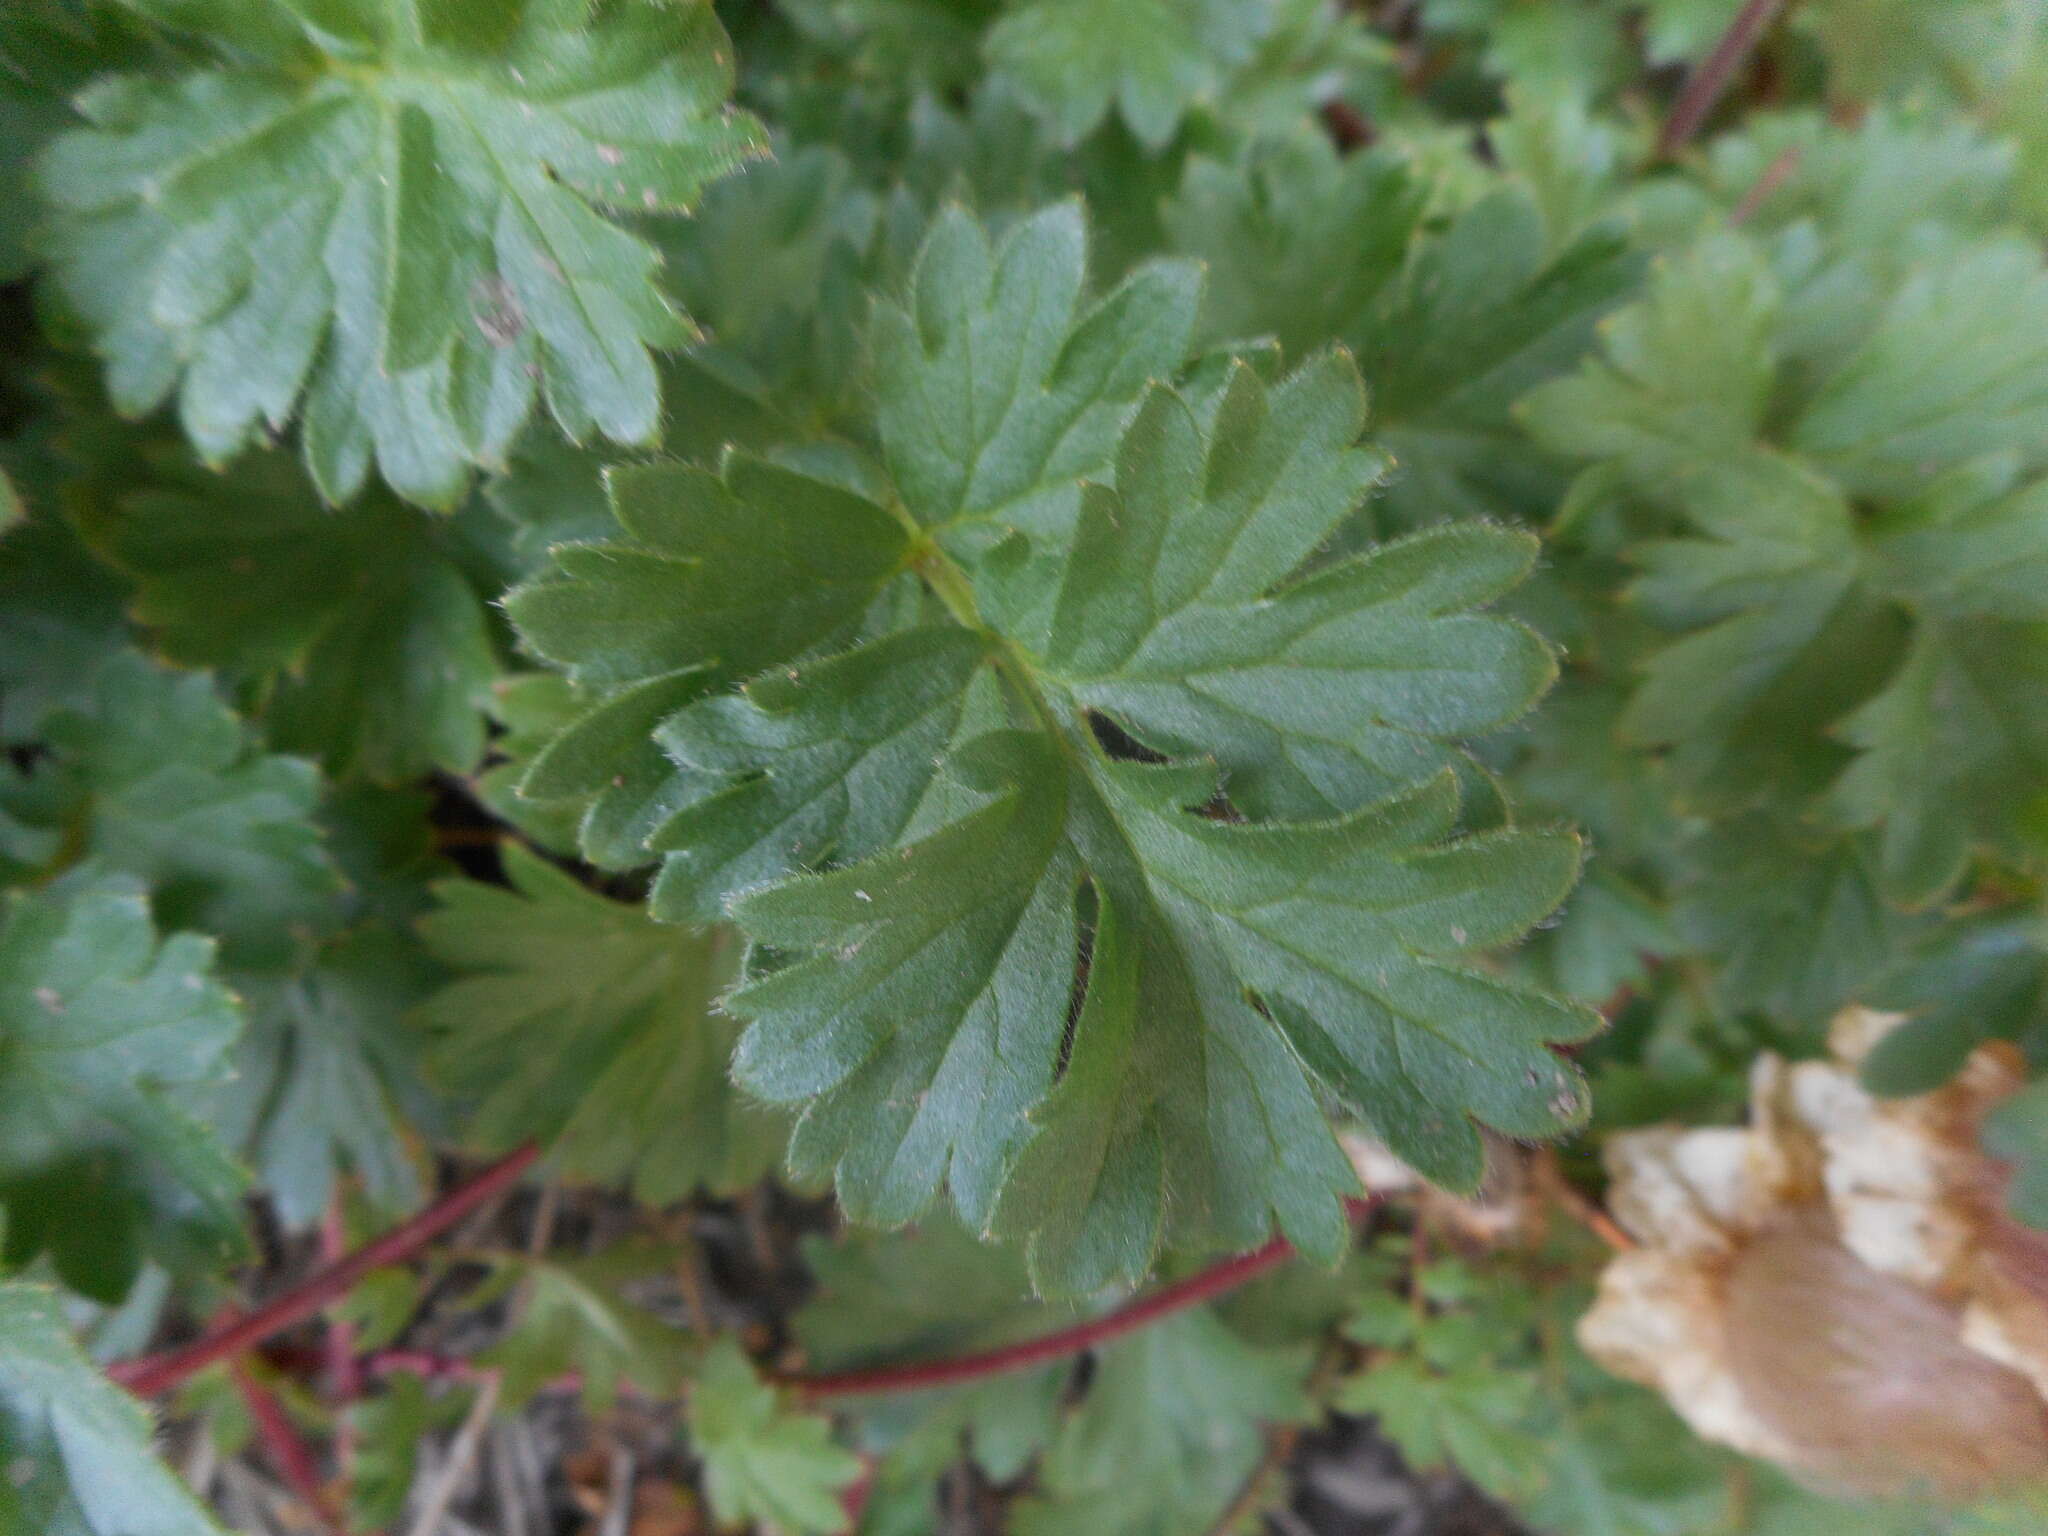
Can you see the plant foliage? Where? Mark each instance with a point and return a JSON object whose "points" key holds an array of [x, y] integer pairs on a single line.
{"points": [[1032, 617]]}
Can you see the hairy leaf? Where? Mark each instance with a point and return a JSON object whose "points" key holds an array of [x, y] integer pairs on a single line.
{"points": [[155, 777], [1150, 59], [392, 216], [107, 1038], [1236, 972], [763, 1460], [77, 1446], [574, 1019], [1168, 1432], [326, 1076], [1450, 325], [367, 634], [577, 1321]]}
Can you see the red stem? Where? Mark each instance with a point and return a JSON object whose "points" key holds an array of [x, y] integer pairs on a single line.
{"points": [[1707, 84], [343, 1379], [291, 1454], [149, 1375], [1224, 1275], [432, 1367]]}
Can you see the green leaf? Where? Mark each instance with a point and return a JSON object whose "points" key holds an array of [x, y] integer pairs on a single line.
{"points": [[1255, 966], [1787, 645], [972, 931], [997, 391], [931, 959], [1618, 1462], [371, 642], [1796, 923], [826, 761], [1576, 49], [77, 1446], [1965, 982], [1176, 616], [933, 44], [395, 220], [60, 617], [576, 1320], [1677, 30], [1611, 935], [532, 708], [763, 1460], [108, 1039], [154, 777], [718, 574], [2016, 1132], [51, 49], [1857, 604], [1947, 373], [389, 1428], [1683, 376], [1577, 765], [1172, 1424], [932, 1292], [1877, 47], [1151, 59], [327, 1077], [575, 1020], [1266, 222], [774, 266], [1450, 325], [1973, 545], [1476, 1418], [1954, 754]]}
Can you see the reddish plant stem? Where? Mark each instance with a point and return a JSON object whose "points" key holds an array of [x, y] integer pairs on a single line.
{"points": [[151, 1374], [1224, 1275], [429, 1366], [853, 1498], [343, 1379], [1774, 176], [1707, 84], [292, 1456]]}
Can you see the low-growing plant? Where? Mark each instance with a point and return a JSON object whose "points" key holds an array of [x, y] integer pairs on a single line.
{"points": [[1204, 705]]}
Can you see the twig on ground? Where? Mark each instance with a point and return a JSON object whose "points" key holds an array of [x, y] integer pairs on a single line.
{"points": [[618, 1510], [1578, 1207], [689, 1279], [754, 1221], [462, 1453], [508, 1484], [538, 1236]]}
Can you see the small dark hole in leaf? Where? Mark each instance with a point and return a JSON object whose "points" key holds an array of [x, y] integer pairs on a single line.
{"points": [[1119, 743]]}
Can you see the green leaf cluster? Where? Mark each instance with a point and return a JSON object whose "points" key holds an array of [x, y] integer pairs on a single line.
{"points": [[1017, 614], [1065, 669], [392, 217]]}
